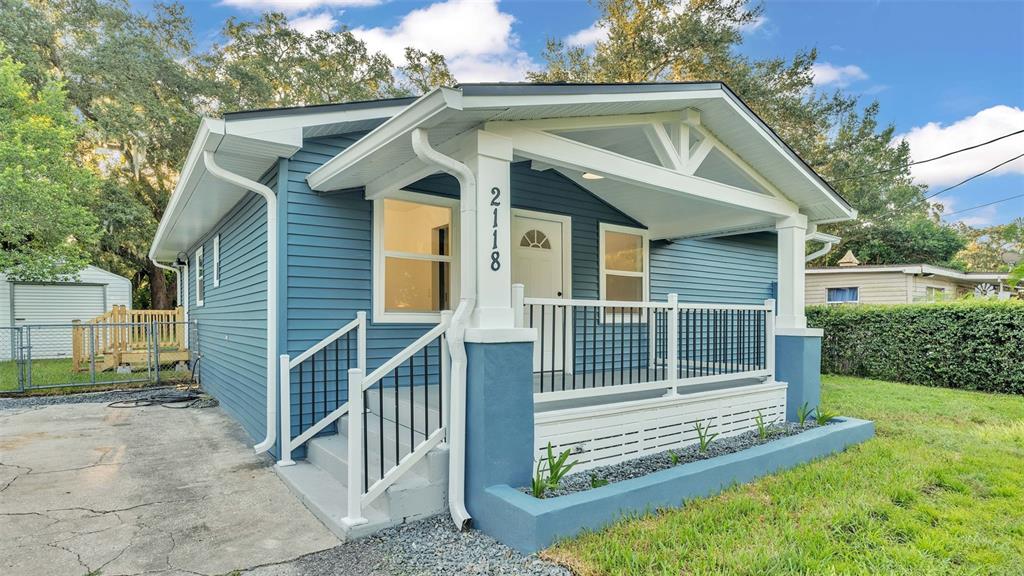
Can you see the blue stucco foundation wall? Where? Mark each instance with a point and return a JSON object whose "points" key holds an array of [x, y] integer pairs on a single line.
{"points": [[528, 524], [798, 364], [499, 424]]}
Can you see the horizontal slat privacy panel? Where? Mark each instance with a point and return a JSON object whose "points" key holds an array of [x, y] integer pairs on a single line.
{"points": [[612, 433]]}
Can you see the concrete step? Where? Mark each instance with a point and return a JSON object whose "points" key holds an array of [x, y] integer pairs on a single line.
{"points": [[325, 498], [381, 401]]}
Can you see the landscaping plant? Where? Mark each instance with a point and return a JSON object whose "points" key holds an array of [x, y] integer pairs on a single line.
{"points": [[673, 457], [596, 482], [550, 471], [702, 435], [822, 416], [762, 427], [802, 413]]}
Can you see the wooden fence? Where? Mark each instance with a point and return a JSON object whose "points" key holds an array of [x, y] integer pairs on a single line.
{"points": [[122, 336]]}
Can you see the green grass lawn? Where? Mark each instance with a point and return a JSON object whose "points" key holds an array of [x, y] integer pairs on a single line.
{"points": [[50, 375], [940, 490]]}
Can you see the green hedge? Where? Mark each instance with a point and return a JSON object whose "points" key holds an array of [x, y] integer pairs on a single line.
{"points": [[971, 344]]}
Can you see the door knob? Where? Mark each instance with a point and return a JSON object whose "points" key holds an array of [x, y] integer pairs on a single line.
{"points": [[559, 292]]}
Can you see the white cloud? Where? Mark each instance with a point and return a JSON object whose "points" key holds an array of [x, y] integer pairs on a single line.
{"points": [[588, 36], [825, 73], [310, 23], [934, 139], [294, 6], [754, 25], [475, 38]]}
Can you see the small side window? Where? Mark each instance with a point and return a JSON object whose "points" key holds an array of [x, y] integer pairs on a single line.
{"points": [[216, 261], [200, 273], [843, 295]]}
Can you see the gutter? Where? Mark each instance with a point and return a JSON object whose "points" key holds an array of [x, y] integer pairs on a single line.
{"points": [[177, 279], [829, 240], [237, 180], [456, 334]]}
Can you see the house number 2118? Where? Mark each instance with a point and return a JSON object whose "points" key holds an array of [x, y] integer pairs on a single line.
{"points": [[495, 254]]}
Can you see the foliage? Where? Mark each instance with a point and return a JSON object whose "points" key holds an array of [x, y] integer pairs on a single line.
{"points": [[703, 437], [596, 481], [823, 416], [46, 230], [971, 344], [937, 492], [802, 412], [911, 240], [550, 471], [986, 246], [763, 427], [673, 457]]}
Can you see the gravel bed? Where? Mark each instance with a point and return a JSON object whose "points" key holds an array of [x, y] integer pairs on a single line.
{"points": [[637, 467], [105, 397], [429, 547]]}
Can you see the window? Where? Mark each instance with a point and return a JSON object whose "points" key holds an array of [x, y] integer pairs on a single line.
{"points": [[200, 271], [843, 296], [216, 261], [413, 258], [624, 255], [934, 293]]}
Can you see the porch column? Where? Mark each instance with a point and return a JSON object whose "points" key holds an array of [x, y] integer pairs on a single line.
{"points": [[797, 347], [792, 237], [488, 156]]}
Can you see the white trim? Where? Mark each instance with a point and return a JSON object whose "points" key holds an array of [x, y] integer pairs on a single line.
{"points": [[566, 222], [500, 335], [380, 316], [814, 332], [216, 261], [570, 154], [200, 276], [645, 242]]}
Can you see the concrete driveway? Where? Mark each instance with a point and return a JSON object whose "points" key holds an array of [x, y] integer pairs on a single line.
{"points": [[86, 488]]}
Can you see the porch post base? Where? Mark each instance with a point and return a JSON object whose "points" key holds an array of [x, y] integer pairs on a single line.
{"points": [[499, 423], [798, 364]]}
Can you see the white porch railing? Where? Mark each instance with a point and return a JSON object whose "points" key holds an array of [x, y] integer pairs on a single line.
{"points": [[592, 348], [404, 404], [327, 363]]}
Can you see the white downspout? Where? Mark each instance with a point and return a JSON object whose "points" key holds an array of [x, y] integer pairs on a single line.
{"points": [[457, 331], [271, 199], [177, 277], [828, 248]]}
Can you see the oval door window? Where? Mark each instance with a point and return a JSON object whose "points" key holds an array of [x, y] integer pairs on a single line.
{"points": [[535, 239]]}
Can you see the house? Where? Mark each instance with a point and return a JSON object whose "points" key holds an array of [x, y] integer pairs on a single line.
{"points": [[55, 305], [406, 300], [854, 283]]}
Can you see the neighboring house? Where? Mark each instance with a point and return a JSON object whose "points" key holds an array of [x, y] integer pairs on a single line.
{"points": [[396, 293], [54, 305], [854, 283]]}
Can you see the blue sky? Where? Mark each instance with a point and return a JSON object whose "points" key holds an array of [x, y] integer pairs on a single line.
{"points": [[947, 74]]}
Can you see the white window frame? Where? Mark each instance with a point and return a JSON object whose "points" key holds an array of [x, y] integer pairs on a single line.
{"points": [[216, 261], [838, 302], [645, 240], [200, 277], [379, 314]]}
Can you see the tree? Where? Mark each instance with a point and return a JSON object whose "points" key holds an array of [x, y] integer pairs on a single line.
{"points": [[673, 40], [424, 71], [987, 246], [126, 72], [46, 232]]}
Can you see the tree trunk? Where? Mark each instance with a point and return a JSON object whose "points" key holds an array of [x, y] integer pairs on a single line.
{"points": [[159, 297]]}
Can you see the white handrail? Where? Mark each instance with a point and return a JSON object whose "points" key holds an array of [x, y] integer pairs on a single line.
{"points": [[285, 366], [648, 304], [405, 354]]}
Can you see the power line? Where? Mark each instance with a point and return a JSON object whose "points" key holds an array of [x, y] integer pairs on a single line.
{"points": [[909, 164], [984, 205], [965, 181]]}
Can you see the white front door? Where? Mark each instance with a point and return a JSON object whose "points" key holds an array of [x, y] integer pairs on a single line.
{"points": [[539, 246]]}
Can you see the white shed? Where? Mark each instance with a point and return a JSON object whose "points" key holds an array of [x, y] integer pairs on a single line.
{"points": [[51, 307]]}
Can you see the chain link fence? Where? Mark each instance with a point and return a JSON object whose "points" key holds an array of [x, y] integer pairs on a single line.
{"points": [[68, 356]]}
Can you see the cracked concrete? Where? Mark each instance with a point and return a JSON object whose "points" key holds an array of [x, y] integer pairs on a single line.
{"points": [[86, 488]]}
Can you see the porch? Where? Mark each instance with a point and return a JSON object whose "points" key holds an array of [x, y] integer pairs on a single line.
{"points": [[547, 314]]}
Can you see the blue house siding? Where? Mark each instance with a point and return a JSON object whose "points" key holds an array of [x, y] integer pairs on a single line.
{"points": [[728, 270], [232, 321]]}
